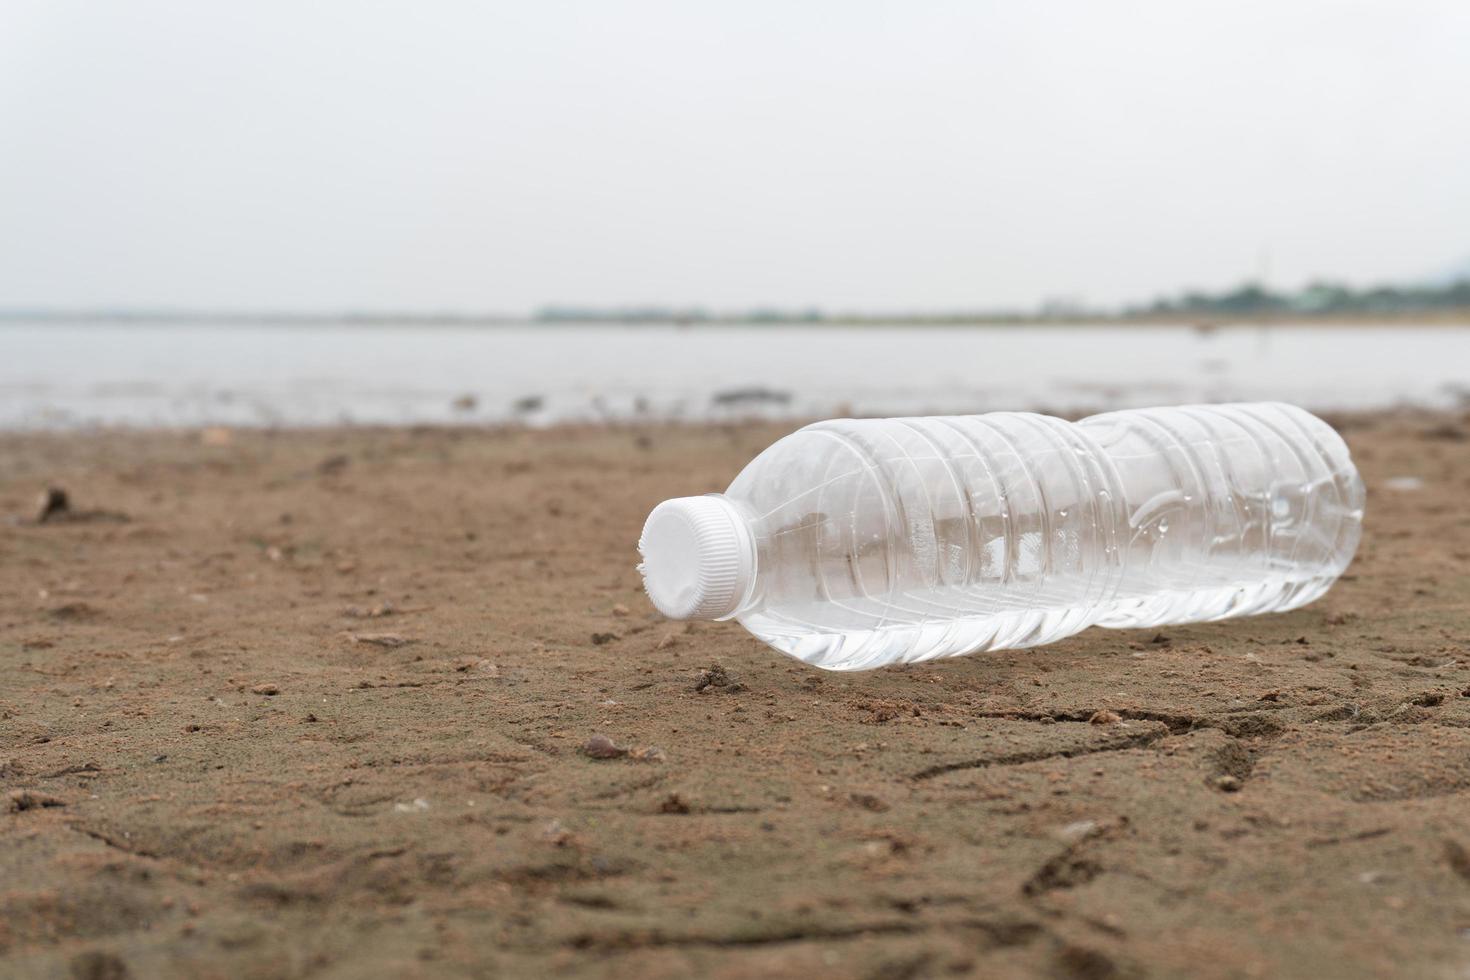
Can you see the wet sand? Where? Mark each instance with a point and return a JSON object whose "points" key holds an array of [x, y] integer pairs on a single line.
{"points": [[315, 704]]}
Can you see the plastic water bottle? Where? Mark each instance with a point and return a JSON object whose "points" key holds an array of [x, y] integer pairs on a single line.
{"points": [[852, 544]]}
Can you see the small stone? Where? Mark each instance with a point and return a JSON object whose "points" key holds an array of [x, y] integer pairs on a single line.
{"points": [[556, 835], [620, 610], [98, 964], [1076, 831], [869, 802], [372, 612], [379, 639], [1227, 784], [52, 502], [1105, 717], [649, 753], [267, 689], [602, 747], [717, 676], [477, 665], [669, 640], [673, 803]]}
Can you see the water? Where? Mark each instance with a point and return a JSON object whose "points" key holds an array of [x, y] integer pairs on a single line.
{"points": [[857, 544], [57, 375]]}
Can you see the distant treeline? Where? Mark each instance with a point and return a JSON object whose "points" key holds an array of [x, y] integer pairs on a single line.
{"points": [[1250, 301], [1321, 298], [1246, 301], [674, 314]]}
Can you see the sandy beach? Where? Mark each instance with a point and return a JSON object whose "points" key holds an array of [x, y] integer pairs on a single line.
{"points": [[320, 703]]}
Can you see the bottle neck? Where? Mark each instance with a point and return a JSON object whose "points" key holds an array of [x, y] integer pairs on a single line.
{"points": [[699, 558]]}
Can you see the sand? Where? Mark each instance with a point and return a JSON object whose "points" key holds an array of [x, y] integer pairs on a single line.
{"points": [[315, 704]]}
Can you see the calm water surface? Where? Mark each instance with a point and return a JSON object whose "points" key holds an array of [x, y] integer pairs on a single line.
{"points": [[62, 376]]}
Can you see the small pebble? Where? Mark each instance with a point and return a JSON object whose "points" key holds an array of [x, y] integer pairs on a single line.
{"points": [[673, 803], [602, 747], [380, 639]]}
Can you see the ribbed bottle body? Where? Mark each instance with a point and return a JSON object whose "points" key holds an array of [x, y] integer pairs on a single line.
{"points": [[898, 540]]}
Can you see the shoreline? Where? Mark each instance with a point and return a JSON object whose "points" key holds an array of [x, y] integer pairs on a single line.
{"points": [[222, 434], [1453, 318]]}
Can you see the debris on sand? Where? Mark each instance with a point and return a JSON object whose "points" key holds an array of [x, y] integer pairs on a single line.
{"points": [[558, 836], [602, 747], [1448, 431], [1457, 858], [598, 639], [72, 612], [98, 964], [717, 676], [754, 395], [1077, 830], [30, 799], [53, 501], [389, 640], [477, 664], [372, 612], [1105, 717], [674, 803], [53, 506]]}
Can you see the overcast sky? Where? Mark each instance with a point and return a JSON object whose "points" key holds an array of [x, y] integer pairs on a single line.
{"points": [[320, 154]]}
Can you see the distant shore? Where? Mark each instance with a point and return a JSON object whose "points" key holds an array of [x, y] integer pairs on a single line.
{"points": [[1455, 318], [60, 374]]}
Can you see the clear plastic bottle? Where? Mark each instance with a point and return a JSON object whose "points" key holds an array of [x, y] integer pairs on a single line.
{"points": [[852, 544]]}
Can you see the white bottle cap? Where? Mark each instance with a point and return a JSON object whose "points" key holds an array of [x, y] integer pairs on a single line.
{"points": [[698, 557]]}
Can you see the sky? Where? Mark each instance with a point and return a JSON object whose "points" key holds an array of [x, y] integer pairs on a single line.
{"points": [[491, 156]]}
